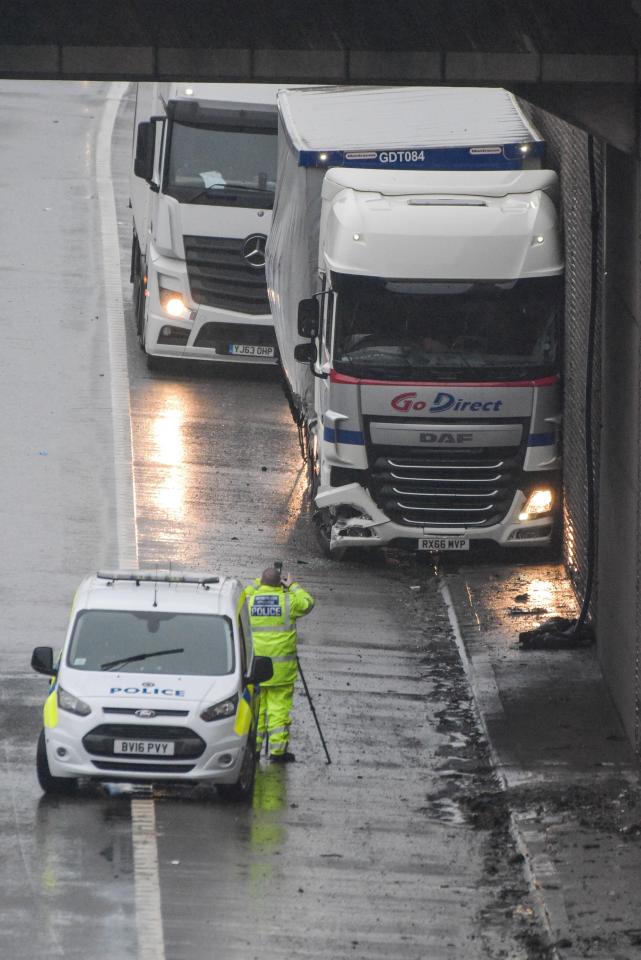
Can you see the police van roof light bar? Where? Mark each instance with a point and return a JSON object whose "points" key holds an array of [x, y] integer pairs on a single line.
{"points": [[147, 576]]}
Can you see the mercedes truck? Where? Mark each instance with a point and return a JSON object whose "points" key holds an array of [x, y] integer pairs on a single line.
{"points": [[201, 191], [415, 274]]}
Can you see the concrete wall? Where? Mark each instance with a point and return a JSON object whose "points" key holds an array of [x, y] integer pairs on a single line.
{"points": [[618, 612], [616, 399]]}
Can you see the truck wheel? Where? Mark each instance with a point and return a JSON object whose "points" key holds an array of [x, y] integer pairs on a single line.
{"points": [[60, 786], [138, 293], [244, 786], [322, 522]]}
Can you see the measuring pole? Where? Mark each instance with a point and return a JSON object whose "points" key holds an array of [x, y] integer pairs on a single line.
{"points": [[311, 707]]}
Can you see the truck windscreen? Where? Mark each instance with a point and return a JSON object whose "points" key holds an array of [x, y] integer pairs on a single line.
{"points": [[234, 166], [422, 330]]}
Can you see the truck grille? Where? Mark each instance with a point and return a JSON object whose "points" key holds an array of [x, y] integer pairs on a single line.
{"points": [[219, 275], [438, 488], [100, 740]]}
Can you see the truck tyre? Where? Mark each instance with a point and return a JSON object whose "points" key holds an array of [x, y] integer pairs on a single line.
{"points": [[243, 789], [322, 523], [138, 294], [60, 786]]}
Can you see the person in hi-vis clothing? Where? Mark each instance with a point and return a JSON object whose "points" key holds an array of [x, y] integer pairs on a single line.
{"points": [[275, 602]]}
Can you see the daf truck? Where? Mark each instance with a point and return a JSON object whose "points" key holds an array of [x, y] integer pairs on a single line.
{"points": [[201, 192], [415, 273]]}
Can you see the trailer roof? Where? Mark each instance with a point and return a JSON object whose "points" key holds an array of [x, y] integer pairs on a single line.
{"points": [[338, 119], [242, 93]]}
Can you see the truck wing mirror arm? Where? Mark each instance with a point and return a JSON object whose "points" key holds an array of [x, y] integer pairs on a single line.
{"points": [[308, 353]]}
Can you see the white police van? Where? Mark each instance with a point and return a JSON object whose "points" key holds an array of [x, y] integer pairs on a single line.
{"points": [[156, 681]]}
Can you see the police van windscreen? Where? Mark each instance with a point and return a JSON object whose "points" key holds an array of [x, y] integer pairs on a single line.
{"points": [[152, 642], [235, 166], [456, 329]]}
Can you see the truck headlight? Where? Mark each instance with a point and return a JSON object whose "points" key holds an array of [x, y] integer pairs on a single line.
{"points": [[67, 701], [218, 711], [173, 303], [538, 504]]}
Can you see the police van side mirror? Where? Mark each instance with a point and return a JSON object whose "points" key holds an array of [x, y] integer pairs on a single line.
{"points": [[262, 670], [145, 143], [42, 661], [308, 318]]}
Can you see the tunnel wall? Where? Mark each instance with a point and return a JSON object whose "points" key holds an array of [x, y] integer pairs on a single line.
{"points": [[568, 154], [616, 400], [618, 612]]}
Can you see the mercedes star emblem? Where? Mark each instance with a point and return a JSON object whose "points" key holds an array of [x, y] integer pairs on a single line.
{"points": [[254, 250]]}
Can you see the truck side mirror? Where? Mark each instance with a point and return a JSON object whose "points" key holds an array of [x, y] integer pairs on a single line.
{"points": [[308, 317], [145, 143], [305, 353], [262, 670], [42, 661]]}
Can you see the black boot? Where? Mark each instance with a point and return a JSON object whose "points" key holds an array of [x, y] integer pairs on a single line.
{"points": [[285, 757]]}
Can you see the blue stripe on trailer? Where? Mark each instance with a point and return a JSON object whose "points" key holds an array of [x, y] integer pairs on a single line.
{"points": [[507, 156]]}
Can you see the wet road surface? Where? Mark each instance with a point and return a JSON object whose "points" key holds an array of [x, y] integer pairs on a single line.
{"points": [[400, 847]]}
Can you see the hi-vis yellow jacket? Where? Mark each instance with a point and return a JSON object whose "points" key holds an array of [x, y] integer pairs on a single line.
{"points": [[273, 612]]}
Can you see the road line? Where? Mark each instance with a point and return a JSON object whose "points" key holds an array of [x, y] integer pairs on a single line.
{"points": [[119, 373], [149, 927], [151, 944], [539, 870]]}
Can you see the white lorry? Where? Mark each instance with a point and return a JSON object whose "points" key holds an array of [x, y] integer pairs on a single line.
{"points": [[415, 246], [201, 191]]}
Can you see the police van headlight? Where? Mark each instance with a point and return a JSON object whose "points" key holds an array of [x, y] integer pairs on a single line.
{"points": [[67, 701], [226, 708], [538, 504]]}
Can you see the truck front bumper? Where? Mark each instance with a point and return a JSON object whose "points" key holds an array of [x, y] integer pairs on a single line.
{"points": [[370, 527]]}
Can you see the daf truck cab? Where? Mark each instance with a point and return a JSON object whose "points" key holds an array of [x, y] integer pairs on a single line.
{"points": [[416, 249]]}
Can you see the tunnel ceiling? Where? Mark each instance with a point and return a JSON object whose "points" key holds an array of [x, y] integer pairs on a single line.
{"points": [[581, 58]]}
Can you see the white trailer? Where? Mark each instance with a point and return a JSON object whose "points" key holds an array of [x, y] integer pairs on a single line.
{"points": [[202, 188], [415, 246]]}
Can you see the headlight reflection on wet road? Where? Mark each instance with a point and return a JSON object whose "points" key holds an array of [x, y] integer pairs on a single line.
{"points": [[168, 451]]}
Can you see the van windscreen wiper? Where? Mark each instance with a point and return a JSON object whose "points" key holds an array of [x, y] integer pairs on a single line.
{"points": [[114, 664]]}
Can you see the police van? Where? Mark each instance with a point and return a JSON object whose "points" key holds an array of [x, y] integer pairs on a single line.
{"points": [[156, 681]]}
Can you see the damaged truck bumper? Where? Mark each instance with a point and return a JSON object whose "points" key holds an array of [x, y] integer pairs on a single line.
{"points": [[368, 526]]}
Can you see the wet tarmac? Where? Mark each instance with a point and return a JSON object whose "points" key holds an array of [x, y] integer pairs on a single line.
{"points": [[403, 847]]}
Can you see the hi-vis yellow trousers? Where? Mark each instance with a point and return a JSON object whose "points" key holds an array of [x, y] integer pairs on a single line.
{"points": [[274, 717]]}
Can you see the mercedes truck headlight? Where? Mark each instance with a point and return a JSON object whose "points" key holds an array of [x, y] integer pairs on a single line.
{"points": [[226, 708], [538, 504], [67, 701], [173, 303]]}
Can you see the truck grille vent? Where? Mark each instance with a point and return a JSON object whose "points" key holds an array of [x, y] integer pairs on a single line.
{"points": [[434, 488], [219, 275]]}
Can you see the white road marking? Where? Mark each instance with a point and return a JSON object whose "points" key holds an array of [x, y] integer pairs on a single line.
{"points": [[121, 414], [151, 945], [540, 872]]}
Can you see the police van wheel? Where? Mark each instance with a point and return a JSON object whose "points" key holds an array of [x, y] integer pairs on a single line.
{"points": [[244, 786], [49, 783]]}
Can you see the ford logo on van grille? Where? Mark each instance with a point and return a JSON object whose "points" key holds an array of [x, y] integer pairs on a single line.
{"points": [[145, 714]]}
